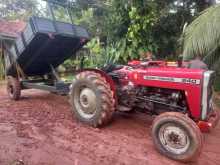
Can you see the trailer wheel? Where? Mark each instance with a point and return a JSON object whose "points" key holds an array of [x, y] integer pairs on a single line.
{"points": [[177, 136], [13, 88], [92, 99]]}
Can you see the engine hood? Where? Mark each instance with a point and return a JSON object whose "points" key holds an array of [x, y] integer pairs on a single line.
{"points": [[171, 72], [163, 76]]}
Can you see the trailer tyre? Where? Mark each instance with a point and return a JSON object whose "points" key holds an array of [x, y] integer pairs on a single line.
{"points": [[13, 88], [177, 136], [92, 99]]}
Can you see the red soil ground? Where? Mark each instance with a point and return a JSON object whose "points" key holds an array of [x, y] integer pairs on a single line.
{"points": [[41, 130]]}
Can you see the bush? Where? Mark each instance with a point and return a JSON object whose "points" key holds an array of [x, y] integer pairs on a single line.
{"points": [[217, 83]]}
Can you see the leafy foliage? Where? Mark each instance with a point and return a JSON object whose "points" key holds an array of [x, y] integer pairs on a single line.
{"points": [[150, 25], [99, 56], [13, 9], [140, 30]]}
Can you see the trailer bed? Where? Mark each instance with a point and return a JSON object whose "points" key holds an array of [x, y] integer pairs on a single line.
{"points": [[45, 43]]}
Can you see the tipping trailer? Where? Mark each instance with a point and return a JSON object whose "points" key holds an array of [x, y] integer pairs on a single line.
{"points": [[42, 46]]}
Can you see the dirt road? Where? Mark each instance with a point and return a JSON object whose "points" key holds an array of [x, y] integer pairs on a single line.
{"points": [[41, 130]]}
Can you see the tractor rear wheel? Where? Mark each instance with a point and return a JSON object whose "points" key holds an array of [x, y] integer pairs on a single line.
{"points": [[13, 88], [92, 99], [176, 136]]}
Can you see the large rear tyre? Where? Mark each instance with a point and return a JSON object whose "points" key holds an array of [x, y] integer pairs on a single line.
{"points": [[92, 99], [13, 88], [177, 136]]}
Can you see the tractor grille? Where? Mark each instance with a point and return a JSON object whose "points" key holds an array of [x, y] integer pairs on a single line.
{"points": [[207, 93]]}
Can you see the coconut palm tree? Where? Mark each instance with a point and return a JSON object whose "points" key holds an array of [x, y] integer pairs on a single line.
{"points": [[202, 37]]}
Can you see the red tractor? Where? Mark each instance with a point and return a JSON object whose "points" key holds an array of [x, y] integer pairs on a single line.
{"points": [[180, 97]]}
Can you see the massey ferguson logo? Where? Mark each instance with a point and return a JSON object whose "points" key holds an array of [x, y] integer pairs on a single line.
{"points": [[172, 79]]}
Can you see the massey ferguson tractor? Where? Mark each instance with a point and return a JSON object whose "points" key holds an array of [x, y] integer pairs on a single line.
{"points": [[181, 98]]}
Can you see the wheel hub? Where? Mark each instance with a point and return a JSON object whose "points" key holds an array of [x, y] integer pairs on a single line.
{"points": [[86, 102], [88, 99], [174, 139]]}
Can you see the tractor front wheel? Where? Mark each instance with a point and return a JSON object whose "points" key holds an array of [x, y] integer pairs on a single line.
{"points": [[176, 136], [92, 99], [13, 88]]}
